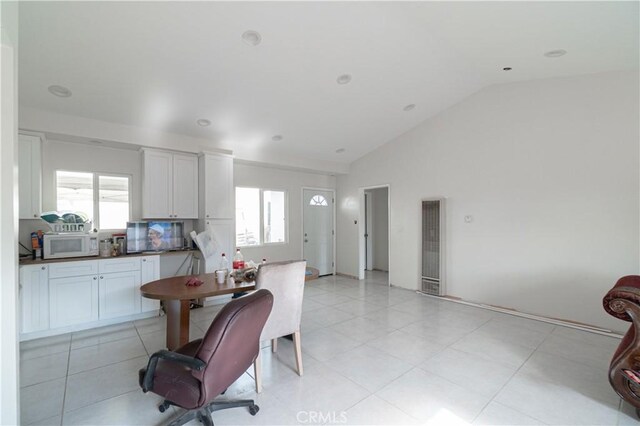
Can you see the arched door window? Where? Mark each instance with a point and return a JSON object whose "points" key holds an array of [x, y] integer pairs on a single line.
{"points": [[318, 201]]}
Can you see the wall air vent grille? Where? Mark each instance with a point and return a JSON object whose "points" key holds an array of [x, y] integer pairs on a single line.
{"points": [[433, 247]]}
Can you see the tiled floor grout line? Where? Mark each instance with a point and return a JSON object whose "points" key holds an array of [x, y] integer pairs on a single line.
{"points": [[359, 333], [107, 365], [511, 378], [431, 356], [66, 381], [142, 341]]}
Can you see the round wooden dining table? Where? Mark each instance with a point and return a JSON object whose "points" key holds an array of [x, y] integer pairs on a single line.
{"points": [[177, 295]]}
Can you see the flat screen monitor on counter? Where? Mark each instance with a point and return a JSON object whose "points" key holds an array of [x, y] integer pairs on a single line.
{"points": [[154, 236]]}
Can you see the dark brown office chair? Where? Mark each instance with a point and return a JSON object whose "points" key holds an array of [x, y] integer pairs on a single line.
{"points": [[623, 302], [193, 375]]}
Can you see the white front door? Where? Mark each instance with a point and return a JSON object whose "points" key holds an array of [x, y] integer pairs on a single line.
{"points": [[318, 230]]}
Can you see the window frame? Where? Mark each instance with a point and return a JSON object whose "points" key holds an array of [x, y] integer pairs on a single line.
{"points": [[261, 219], [96, 195]]}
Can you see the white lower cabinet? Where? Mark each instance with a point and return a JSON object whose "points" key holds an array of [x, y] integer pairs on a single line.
{"points": [[73, 300], [119, 294], [59, 295], [34, 298], [149, 271]]}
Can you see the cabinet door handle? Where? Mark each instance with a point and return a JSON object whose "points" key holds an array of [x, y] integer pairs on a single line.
{"points": [[101, 277], [144, 260], [95, 278], [44, 267], [35, 215]]}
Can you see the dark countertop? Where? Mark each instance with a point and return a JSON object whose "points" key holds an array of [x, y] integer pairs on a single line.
{"points": [[30, 261]]}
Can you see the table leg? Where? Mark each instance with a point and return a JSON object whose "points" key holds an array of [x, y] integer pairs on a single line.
{"points": [[177, 323]]}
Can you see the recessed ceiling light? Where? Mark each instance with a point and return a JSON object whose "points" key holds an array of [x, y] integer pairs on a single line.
{"points": [[340, 150], [277, 138], [555, 53], [203, 122], [344, 79], [59, 91], [409, 107], [252, 38], [507, 69]]}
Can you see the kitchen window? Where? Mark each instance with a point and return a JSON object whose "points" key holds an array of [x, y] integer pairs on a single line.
{"points": [[104, 198], [261, 217]]}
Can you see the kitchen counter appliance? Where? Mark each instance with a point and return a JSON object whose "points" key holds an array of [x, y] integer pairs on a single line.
{"points": [[72, 244]]}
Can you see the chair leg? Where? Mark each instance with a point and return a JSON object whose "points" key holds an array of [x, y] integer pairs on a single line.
{"points": [[298, 349], [204, 415], [274, 345], [257, 372], [222, 405], [185, 417]]}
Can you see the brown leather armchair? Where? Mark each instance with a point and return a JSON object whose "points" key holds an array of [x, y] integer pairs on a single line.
{"points": [[193, 375], [623, 301]]}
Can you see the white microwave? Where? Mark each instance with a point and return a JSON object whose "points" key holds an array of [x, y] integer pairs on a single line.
{"points": [[56, 246]]}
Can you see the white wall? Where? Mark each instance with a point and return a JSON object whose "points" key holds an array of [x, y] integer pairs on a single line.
{"points": [[250, 175], [9, 359], [79, 157], [380, 218], [62, 155], [87, 129], [549, 171]]}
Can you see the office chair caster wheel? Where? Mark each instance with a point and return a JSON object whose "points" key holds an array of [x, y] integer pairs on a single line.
{"points": [[163, 407], [253, 410]]}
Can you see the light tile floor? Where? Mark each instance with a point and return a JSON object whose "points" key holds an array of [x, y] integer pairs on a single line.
{"points": [[372, 355]]}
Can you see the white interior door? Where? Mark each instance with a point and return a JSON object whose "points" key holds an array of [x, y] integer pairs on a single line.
{"points": [[318, 229]]}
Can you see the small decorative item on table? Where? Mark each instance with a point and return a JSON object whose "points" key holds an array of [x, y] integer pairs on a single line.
{"points": [[194, 282], [249, 274]]}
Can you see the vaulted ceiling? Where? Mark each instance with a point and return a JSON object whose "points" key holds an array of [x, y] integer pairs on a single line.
{"points": [[164, 65]]}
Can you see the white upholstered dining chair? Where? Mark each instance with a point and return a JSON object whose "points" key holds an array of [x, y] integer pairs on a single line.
{"points": [[285, 280]]}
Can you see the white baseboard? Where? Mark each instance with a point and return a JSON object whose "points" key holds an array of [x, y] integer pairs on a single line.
{"points": [[583, 327], [353, 277], [86, 326]]}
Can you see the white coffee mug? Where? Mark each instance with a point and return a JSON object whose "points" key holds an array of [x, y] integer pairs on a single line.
{"points": [[220, 276]]}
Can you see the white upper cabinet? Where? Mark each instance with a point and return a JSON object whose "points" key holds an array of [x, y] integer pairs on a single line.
{"points": [[216, 187], [30, 176], [170, 185], [185, 186]]}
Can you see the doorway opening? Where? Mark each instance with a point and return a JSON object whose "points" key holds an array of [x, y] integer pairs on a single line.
{"points": [[374, 233]]}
